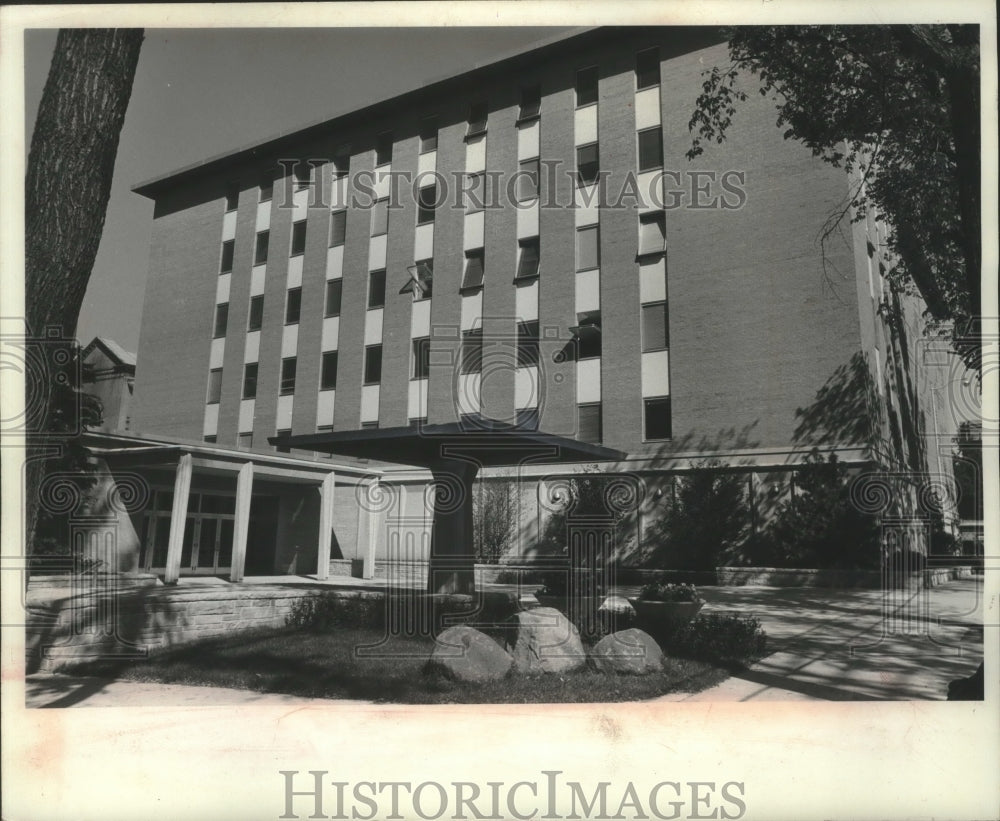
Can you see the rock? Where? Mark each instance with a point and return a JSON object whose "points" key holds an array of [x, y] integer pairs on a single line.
{"points": [[628, 651], [617, 605], [464, 654], [543, 640]]}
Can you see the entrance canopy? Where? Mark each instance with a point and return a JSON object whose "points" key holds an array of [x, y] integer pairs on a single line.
{"points": [[453, 452]]}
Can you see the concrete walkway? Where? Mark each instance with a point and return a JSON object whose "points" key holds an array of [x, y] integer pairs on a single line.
{"points": [[833, 645]]}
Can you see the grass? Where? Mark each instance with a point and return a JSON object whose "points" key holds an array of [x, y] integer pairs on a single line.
{"points": [[329, 664]]}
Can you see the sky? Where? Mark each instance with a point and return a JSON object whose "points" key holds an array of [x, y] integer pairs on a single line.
{"points": [[202, 92]]}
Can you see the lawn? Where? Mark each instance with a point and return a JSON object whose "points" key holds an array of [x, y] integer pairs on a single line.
{"points": [[361, 663]]}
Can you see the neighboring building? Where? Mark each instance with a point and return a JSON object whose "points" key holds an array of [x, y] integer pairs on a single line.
{"points": [[109, 374], [710, 324]]}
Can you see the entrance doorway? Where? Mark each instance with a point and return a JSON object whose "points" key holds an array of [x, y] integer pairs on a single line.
{"points": [[262, 539], [207, 548]]}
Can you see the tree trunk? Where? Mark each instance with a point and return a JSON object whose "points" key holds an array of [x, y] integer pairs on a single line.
{"points": [[67, 186]]}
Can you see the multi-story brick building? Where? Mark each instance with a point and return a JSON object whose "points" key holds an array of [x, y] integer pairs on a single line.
{"points": [[526, 242]]}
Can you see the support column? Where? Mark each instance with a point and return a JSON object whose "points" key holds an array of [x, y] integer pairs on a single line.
{"points": [[178, 519], [326, 494], [452, 560], [241, 527], [374, 521]]}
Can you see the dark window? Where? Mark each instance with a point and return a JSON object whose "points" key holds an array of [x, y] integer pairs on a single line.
{"points": [[650, 149], [209, 438], [246, 441], [221, 320], [473, 276], [232, 198], [293, 306], [228, 248], [588, 252], [338, 227], [478, 113], [647, 68], [527, 181], [655, 328], [531, 101], [589, 423], [266, 187], [422, 281], [260, 249], [303, 175], [418, 421], [328, 372], [376, 289], [421, 357], [383, 148], [527, 343], [283, 448], [588, 335], [656, 418], [256, 318], [475, 193], [426, 203], [527, 262], [250, 380], [526, 419], [652, 232], [369, 425], [288, 368], [586, 86], [380, 217], [428, 134], [334, 290], [214, 386], [587, 164], [373, 364], [472, 351], [298, 237]]}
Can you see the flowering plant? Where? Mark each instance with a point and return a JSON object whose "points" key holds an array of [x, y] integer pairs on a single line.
{"points": [[666, 592]]}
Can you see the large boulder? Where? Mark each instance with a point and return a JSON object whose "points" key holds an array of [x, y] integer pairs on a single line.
{"points": [[629, 651], [463, 653], [543, 640]]}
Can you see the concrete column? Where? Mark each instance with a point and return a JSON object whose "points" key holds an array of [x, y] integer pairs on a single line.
{"points": [[178, 518], [374, 522], [326, 494], [241, 527], [452, 561]]}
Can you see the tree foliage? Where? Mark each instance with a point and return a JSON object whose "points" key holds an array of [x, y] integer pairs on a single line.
{"points": [[898, 107], [494, 510]]}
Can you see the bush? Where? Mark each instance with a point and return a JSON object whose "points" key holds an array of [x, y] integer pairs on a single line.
{"points": [[731, 641], [327, 612], [667, 592]]}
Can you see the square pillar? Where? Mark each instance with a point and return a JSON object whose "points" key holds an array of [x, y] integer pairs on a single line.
{"points": [[241, 526], [178, 519], [326, 495], [374, 523]]}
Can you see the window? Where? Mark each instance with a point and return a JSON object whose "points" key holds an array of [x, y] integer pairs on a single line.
{"points": [[652, 233], [373, 364], [656, 418], [298, 237], [655, 328], [422, 279], [527, 261], [334, 290], [527, 181], [376, 289], [428, 135], [421, 357], [328, 372], [383, 148], [472, 351], [266, 188], [228, 249], [221, 320], [341, 162], [256, 318], [473, 276], [426, 203], [214, 386], [586, 164], [586, 86], [288, 368], [250, 380], [589, 423], [369, 425], [650, 149], [283, 432], [338, 228], [527, 344], [380, 217], [588, 334], [588, 251], [261, 247], [232, 198], [209, 438], [418, 421], [647, 68], [526, 418], [245, 441], [303, 175], [293, 306], [531, 101], [478, 113], [475, 193]]}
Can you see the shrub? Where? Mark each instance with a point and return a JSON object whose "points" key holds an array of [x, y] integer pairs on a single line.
{"points": [[327, 612], [667, 592], [732, 641]]}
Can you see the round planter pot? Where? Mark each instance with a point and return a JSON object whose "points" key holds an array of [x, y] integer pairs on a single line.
{"points": [[663, 618]]}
